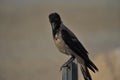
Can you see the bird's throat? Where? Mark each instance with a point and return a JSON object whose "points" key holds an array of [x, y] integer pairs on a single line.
{"points": [[55, 28]]}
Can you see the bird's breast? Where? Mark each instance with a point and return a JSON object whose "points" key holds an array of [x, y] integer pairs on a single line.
{"points": [[59, 42]]}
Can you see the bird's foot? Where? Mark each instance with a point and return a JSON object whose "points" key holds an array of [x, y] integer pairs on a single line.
{"points": [[64, 65], [67, 63]]}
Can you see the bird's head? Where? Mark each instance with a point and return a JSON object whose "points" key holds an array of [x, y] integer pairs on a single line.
{"points": [[55, 20]]}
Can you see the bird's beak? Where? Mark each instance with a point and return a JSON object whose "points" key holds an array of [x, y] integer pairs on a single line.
{"points": [[53, 25]]}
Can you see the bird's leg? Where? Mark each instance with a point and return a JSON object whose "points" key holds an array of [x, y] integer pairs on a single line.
{"points": [[67, 63]]}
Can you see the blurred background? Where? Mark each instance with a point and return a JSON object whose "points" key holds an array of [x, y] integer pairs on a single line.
{"points": [[27, 51]]}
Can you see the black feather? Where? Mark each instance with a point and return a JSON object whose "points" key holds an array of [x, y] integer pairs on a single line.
{"points": [[74, 44]]}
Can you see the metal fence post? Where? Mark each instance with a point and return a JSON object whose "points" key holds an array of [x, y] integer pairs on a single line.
{"points": [[70, 72]]}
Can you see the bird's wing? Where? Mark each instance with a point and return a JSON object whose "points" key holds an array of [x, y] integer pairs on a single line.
{"points": [[74, 44]]}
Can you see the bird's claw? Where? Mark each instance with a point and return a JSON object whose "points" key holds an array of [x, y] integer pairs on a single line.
{"points": [[64, 65], [67, 63]]}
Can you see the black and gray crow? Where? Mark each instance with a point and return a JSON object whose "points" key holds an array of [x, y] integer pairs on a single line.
{"points": [[67, 43]]}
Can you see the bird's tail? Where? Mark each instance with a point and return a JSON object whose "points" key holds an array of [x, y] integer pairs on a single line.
{"points": [[85, 72], [91, 66]]}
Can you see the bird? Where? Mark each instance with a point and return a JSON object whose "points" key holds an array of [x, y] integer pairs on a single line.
{"points": [[67, 43]]}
